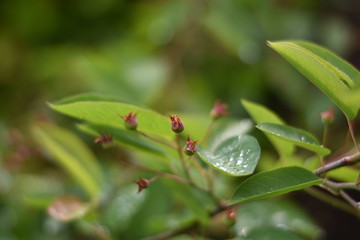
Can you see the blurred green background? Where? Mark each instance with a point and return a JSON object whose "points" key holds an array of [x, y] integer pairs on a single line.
{"points": [[169, 55]]}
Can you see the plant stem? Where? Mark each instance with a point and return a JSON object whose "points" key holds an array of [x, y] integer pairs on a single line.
{"points": [[182, 159], [325, 135], [339, 186], [156, 140], [352, 133], [160, 173], [207, 132], [345, 161]]}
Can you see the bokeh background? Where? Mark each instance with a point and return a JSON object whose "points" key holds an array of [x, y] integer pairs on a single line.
{"points": [[168, 55]]}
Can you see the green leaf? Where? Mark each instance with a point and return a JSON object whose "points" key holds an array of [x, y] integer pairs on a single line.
{"points": [[271, 217], [120, 211], [67, 208], [109, 113], [273, 183], [324, 69], [262, 114], [123, 136], [236, 156], [349, 72], [296, 136], [72, 154]]}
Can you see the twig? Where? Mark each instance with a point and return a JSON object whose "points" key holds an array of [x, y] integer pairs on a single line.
{"points": [[350, 200], [339, 186], [345, 161]]}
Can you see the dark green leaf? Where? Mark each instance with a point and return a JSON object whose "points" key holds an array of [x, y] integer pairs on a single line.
{"points": [[273, 183], [236, 156]]}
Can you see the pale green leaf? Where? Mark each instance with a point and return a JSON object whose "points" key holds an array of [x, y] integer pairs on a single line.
{"points": [[110, 113], [327, 72], [235, 156], [296, 136], [72, 154], [273, 183], [262, 114]]}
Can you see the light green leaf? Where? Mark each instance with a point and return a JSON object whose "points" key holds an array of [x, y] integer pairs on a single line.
{"points": [[345, 174], [72, 154], [296, 136], [325, 70], [236, 156], [67, 208], [273, 183], [109, 113], [349, 72], [262, 114]]}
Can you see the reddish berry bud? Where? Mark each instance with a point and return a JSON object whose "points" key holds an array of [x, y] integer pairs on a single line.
{"points": [[190, 147], [327, 117], [219, 110], [130, 121], [142, 184], [231, 213], [176, 124], [104, 139]]}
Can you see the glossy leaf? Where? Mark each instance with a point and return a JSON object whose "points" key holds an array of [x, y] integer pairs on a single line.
{"points": [[273, 183], [326, 71], [72, 154], [276, 219], [235, 156], [109, 113], [296, 136], [67, 208], [262, 114]]}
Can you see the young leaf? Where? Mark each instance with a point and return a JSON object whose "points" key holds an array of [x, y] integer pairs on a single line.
{"points": [[109, 113], [236, 156], [297, 136], [71, 153], [325, 70], [273, 183], [67, 208], [262, 114]]}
